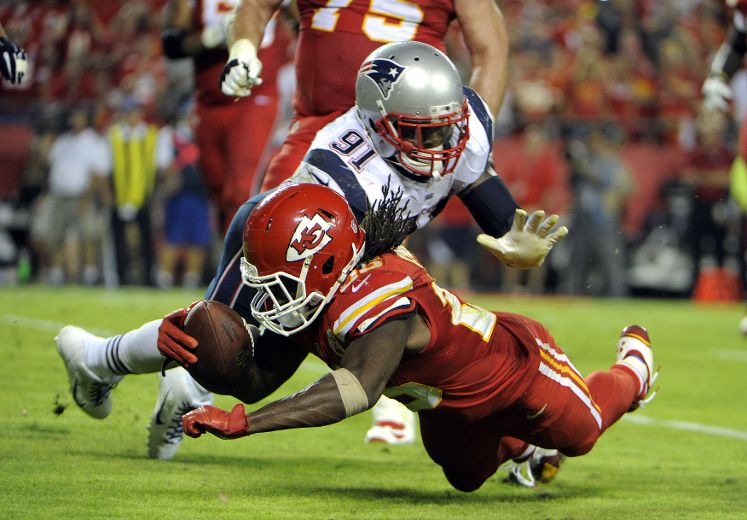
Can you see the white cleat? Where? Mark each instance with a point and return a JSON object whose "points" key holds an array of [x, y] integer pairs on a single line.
{"points": [[542, 466], [393, 423], [90, 393], [634, 351], [177, 395], [743, 325], [388, 432]]}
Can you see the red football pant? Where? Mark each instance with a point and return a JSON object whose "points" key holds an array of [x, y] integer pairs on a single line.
{"points": [[233, 139], [559, 410], [292, 151]]}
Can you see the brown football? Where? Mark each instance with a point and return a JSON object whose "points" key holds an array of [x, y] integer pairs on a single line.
{"points": [[225, 346]]}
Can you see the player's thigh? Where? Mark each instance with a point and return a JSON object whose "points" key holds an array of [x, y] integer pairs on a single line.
{"points": [[556, 410], [248, 148], [209, 135], [458, 444]]}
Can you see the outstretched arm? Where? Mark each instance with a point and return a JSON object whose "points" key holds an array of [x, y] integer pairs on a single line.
{"points": [[366, 366], [728, 59], [486, 37], [517, 241], [275, 360], [250, 19], [490, 203]]}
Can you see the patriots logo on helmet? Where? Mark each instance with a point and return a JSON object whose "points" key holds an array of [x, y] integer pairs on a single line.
{"points": [[309, 237], [385, 73]]}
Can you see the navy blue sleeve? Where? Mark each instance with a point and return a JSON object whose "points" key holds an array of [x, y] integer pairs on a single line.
{"points": [[330, 163], [481, 111], [226, 286], [491, 205]]}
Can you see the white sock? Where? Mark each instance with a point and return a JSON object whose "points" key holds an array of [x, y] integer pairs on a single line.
{"points": [[134, 352]]}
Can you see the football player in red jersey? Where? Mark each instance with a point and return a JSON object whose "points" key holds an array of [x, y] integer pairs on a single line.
{"points": [[727, 61], [13, 60], [334, 37], [233, 135], [488, 386], [717, 92], [358, 162]]}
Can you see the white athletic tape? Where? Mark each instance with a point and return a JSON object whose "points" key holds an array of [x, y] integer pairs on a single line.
{"points": [[353, 396]]}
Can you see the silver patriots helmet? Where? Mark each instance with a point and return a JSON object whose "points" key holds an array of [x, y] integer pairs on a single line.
{"points": [[410, 94]]}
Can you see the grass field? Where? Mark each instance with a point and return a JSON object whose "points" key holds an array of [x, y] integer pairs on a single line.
{"points": [[685, 456]]}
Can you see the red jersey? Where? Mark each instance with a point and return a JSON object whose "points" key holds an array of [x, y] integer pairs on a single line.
{"points": [[273, 53], [333, 41], [477, 362]]}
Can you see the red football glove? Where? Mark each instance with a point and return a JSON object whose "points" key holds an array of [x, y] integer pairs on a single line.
{"points": [[173, 342], [219, 422]]}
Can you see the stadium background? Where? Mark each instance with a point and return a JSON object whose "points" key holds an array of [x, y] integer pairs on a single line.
{"points": [[682, 457], [634, 66]]}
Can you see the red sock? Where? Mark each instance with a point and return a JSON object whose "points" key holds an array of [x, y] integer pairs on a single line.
{"points": [[511, 448], [614, 391]]}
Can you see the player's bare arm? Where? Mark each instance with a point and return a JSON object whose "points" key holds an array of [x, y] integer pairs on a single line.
{"points": [[250, 19], [486, 37], [365, 367], [275, 360]]}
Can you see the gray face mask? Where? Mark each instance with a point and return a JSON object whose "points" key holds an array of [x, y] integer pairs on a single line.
{"points": [[290, 320]]}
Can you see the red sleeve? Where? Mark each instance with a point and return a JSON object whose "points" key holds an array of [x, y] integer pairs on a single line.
{"points": [[369, 300]]}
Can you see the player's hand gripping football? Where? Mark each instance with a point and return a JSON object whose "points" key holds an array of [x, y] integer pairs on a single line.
{"points": [[13, 63], [242, 71], [716, 94], [173, 342], [211, 419], [528, 241]]}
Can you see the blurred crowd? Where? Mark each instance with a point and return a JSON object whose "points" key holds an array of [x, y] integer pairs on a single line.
{"points": [[602, 124]]}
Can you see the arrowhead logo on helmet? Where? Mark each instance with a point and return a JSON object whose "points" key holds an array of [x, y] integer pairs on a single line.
{"points": [[309, 237], [384, 73]]}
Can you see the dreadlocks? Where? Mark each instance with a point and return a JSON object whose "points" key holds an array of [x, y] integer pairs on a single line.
{"points": [[386, 223]]}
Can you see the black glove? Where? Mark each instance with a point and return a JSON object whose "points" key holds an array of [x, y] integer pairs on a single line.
{"points": [[13, 63]]}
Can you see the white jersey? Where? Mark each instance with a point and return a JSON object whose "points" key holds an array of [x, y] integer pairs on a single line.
{"points": [[343, 157]]}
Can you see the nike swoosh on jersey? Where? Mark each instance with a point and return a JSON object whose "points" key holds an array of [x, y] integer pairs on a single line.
{"points": [[355, 287], [533, 416]]}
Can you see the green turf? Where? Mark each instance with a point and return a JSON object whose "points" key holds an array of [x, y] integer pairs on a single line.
{"points": [[72, 466]]}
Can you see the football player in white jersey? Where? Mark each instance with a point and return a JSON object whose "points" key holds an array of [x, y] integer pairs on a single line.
{"points": [[13, 60], [414, 128]]}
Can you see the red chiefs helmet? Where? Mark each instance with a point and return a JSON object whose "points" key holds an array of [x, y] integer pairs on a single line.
{"points": [[300, 243]]}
